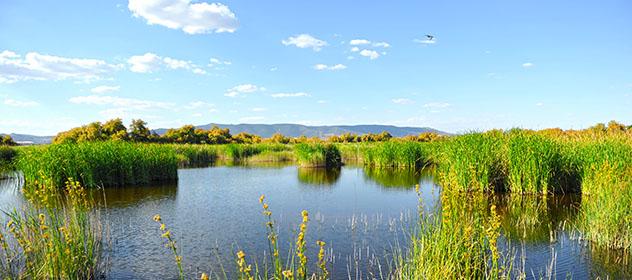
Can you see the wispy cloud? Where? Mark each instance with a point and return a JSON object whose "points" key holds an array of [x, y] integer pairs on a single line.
{"points": [[252, 119], [527, 65], [192, 18], [20, 103], [150, 62], [305, 41], [242, 89], [104, 89], [295, 94], [437, 105], [322, 67], [122, 102], [402, 101], [36, 66], [426, 41]]}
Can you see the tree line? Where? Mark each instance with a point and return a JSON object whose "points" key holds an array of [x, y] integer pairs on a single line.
{"points": [[137, 131]]}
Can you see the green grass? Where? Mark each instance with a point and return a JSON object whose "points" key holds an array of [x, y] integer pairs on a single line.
{"points": [[473, 163], [195, 155], [99, 163], [318, 155], [397, 154]]}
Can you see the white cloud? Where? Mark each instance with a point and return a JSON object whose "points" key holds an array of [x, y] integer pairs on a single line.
{"points": [[321, 101], [356, 42], [322, 67], [150, 62], [381, 44], [437, 105], [527, 65], [192, 18], [295, 94], [402, 101], [216, 62], [120, 102], [539, 104], [425, 41], [370, 54], [35, 66], [20, 103], [355, 49], [305, 41], [259, 109], [242, 89], [209, 107], [104, 89]]}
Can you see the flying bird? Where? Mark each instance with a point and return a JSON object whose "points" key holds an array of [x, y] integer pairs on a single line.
{"points": [[430, 37]]}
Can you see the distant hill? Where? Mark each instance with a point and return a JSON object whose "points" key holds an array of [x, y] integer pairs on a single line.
{"points": [[295, 130], [25, 139]]}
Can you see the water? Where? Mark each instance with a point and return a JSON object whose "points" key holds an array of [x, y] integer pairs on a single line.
{"points": [[363, 215]]}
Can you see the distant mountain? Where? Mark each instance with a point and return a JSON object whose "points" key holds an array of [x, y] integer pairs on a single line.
{"points": [[25, 139], [295, 130]]}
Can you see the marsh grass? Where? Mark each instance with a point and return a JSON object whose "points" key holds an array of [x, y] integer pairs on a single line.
{"points": [[7, 155], [397, 154], [473, 163], [458, 243], [99, 163], [56, 236], [318, 155]]}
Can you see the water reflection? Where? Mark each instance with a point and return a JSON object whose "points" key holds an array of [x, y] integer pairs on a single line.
{"points": [[132, 195], [318, 176]]}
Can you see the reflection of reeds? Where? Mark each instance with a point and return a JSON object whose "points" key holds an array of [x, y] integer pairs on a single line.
{"points": [[318, 176]]}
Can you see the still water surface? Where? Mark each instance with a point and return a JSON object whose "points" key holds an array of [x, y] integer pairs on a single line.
{"points": [[363, 215]]}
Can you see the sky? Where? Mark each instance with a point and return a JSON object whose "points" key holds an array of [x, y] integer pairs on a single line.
{"points": [[488, 64]]}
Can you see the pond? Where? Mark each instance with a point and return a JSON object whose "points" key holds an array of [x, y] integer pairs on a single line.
{"points": [[365, 216]]}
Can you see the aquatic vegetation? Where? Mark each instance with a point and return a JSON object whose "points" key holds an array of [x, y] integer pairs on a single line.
{"points": [[190, 155], [99, 163], [56, 236], [318, 155], [459, 243], [473, 162], [397, 154], [7, 155]]}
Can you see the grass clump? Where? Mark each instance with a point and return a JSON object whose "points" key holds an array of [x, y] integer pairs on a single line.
{"points": [[193, 155], [56, 236], [318, 155], [460, 243], [100, 163], [472, 162], [397, 154]]}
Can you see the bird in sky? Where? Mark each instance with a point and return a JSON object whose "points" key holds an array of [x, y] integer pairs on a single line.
{"points": [[430, 37]]}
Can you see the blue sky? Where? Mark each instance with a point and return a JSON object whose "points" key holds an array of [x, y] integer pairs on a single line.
{"points": [[491, 64]]}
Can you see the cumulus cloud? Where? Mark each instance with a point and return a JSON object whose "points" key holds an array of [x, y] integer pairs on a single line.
{"points": [[402, 101], [192, 18], [527, 65], [104, 89], [216, 62], [20, 103], [150, 62], [35, 66], [370, 54], [242, 89], [356, 42], [322, 67], [295, 94], [304, 41]]}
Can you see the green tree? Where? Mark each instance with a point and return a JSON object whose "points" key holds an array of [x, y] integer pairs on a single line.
{"points": [[114, 129], [138, 131], [6, 140]]}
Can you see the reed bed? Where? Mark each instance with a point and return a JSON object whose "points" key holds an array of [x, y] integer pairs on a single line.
{"points": [[473, 163], [397, 154], [99, 163], [459, 243], [318, 155], [56, 236]]}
